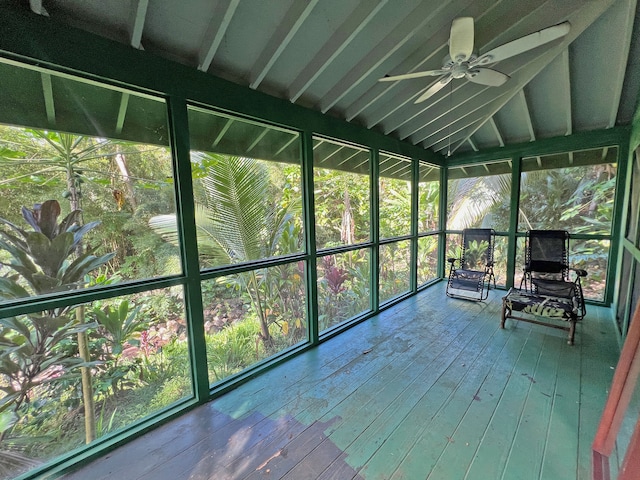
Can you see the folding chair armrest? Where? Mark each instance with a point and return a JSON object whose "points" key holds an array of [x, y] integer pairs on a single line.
{"points": [[580, 272], [452, 260]]}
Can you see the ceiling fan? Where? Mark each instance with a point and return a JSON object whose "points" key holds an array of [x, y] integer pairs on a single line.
{"points": [[463, 63]]}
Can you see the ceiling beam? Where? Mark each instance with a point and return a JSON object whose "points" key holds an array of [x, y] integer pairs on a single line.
{"points": [[496, 130], [473, 145], [339, 41], [138, 16], [215, 32], [565, 86], [122, 112], [49, 105], [289, 26], [223, 131], [527, 114]]}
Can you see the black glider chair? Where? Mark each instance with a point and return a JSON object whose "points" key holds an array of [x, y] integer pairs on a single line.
{"points": [[472, 278], [547, 270]]}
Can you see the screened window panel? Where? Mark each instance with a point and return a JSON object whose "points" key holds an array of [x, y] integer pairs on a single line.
{"points": [[624, 281], [633, 212], [247, 190], [478, 198], [592, 256], [139, 348], [341, 193], [428, 198], [394, 196], [578, 199], [250, 316], [395, 261], [427, 259], [344, 289], [112, 185]]}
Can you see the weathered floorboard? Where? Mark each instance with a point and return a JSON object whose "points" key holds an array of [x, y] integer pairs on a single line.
{"points": [[430, 388]]}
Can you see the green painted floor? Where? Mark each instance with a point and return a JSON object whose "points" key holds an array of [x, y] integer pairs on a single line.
{"points": [[431, 388]]}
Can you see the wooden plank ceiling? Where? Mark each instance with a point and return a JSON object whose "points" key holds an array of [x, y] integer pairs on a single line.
{"points": [[328, 55]]}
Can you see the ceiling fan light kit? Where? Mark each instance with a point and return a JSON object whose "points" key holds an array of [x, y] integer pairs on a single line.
{"points": [[463, 63]]}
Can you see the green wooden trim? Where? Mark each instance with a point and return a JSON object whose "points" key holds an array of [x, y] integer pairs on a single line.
{"points": [[442, 223], [619, 218], [512, 243], [77, 297], [547, 146], [308, 207], [37, 40], [413, 264], [179, 132], [374, 214]]}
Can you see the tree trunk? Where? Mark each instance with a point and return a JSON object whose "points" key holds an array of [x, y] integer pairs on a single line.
{"points": [[87, 386]]}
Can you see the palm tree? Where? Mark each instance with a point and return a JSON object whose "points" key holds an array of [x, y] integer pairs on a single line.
{"points": [[239, 220]]}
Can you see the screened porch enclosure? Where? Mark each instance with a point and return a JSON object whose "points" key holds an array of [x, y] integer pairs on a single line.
{"points": [[284, 268]]}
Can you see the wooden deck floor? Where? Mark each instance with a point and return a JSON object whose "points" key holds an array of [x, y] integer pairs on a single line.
{"points": [[430, 389]]}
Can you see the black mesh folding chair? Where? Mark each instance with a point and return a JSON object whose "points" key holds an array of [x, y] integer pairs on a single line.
{"points": [[547, 270], [472, 278]]}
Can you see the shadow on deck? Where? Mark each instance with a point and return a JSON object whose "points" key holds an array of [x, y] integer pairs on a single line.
{"points": [[430, 388]]}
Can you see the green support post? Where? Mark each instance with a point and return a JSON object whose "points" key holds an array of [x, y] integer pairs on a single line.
{"points": [[512, 244], [308, 204], [374, 217], [442, 223], [179, 131], [413, 269]]}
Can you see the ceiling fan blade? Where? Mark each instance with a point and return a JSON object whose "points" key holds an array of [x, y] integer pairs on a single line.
{"points": [[406, 76], [486, 76], [461, 39], [436, 87], [523, 44]]}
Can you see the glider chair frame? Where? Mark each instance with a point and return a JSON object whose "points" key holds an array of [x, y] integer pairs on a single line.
{"points": [[471, 280], [547, 270]]}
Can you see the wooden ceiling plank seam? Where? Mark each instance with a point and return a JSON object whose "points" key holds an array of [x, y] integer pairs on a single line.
{"points": [[339, 41], [565, 86], [138, 17], [432, 117], [49, 103], [496, 130], [215, 33], [223, 131], [588, 14], [413, 23], [416, 62], [527, 114], [258, 139], [619, 74], [448, 128], [293, 21], [447, 141], [122, 112]]}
